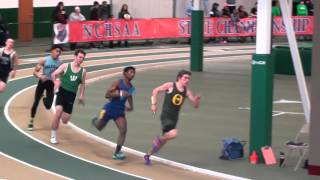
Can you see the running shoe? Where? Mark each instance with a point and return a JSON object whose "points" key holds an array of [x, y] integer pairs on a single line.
{"points": [[53, 140], [30, 125], [147, 160], [94, 121], [118, 156]]}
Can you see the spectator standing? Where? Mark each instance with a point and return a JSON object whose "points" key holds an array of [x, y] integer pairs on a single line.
{"points": [[59, 18], [124, 14], [106, 14], [188, 13], [215, 11], [242, 14], [95, 11], [225, 13], [189, 8], [231, 5], [309, 5], [4, 32], [94, 16], [294, 6], [59, 15], [302, 9], [105, 11], [253, 11], [275, 9], [74, 17]]}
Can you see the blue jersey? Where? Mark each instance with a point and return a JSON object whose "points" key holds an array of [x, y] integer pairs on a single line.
{"points": [[50, 65], [117, 104]]}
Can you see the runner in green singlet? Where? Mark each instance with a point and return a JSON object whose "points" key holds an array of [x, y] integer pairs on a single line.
{"points": [[72, 75]]}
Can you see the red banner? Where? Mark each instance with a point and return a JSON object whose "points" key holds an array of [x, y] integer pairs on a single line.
{"points": [[176, 28]]}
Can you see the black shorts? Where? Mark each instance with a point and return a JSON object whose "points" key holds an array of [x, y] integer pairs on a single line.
{"points": [[65, 99], [168, 122], [4, 76]]}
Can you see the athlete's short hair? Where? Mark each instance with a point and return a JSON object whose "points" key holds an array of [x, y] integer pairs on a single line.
{"points": [[128, 68], [183, 72], [79, 51], [56, 46]]}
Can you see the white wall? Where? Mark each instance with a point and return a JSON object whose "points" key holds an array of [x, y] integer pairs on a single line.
{"points": [[9, 4], [138, 8], [181, 5], [145, 8], [52, 3]]}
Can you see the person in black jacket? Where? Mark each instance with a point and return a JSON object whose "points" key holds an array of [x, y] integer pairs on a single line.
{"points": [[215, 11], [4, 33], [95, 11], [124, 14], [59, 15]]}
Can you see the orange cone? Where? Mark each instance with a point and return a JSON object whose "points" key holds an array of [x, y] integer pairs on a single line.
{"points": [[254, 158]]}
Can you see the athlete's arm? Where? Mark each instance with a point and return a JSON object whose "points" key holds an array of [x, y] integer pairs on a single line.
{"points": [[154, 96], [61, 69], [130, 101], [15, 66], [113, 90], [37, 69], [195, 100], [82, 86]]}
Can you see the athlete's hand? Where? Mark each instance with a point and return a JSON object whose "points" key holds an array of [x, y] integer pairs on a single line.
{"points": [[129, 109], [197, 100], [13, 74], [197, 97], [56, 85], [154, 108], [81, 101]]}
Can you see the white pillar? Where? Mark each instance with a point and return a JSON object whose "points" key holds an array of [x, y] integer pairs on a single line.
{"points": [[263, 42], [304, 94], [290, 7]]}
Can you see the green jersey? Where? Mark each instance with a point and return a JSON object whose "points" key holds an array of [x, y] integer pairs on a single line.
{"points": [[302, 10], [276, 11], [70, 80]]}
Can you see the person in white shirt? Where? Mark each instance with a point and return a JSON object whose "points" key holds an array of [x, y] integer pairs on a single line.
{"points": [[76, 15]]}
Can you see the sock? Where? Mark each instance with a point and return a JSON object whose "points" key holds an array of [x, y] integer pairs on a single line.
{"points": [[53, 133], [156, 145], [118, 149]]}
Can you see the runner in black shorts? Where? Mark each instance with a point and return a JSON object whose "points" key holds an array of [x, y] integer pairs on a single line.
{"points": [[72, 75], [175, 94], [8, 63]]}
